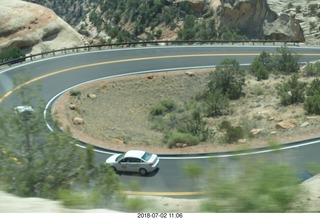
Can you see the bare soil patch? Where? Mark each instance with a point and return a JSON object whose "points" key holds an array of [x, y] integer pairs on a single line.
{"points": [[116, 116]]}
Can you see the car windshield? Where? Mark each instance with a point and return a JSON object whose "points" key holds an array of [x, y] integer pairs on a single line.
{"points": [[120, 157], [146, 156]]}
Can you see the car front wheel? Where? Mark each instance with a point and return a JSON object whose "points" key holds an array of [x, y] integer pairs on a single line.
{"points": [[143, 172]]}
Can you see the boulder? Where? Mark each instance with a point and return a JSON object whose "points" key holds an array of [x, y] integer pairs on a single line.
{"points": [[255, 131], [180, 145], [304, 124], [73, 106], [77, 121], [34, 28], [255, 19], [285, 27], [286, 124], [92, 96], [189, 73]]}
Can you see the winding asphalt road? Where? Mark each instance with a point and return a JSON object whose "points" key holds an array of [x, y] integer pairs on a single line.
{"points": [[59, 74]]}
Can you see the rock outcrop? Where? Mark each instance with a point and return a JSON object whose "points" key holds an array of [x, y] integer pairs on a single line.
{"points": [[34, 28], [255, 19]]}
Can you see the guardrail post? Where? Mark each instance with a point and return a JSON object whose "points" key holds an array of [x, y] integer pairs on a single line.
{"points": [[53, 52]]}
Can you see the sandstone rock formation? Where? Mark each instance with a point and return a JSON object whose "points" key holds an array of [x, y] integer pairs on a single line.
{"points": [[255, 19], [285, 27], [305, 12], [34, 28]]}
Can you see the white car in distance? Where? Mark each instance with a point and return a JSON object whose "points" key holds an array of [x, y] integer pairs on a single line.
{"points": [[134, 161], [24, 110]]}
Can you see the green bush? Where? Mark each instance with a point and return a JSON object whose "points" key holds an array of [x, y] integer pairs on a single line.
{"points": [[291, 92], [260, 72], [183, 138], [229, 78], [159, 123], [312, 102], [312, 105], [286, 61], [216, 104], [11, 54], [313, 88], [75, 93], [261, 66], [73, 199], [196, 126], [232, 133], [163, 107], [312, 69], [135, 204]]}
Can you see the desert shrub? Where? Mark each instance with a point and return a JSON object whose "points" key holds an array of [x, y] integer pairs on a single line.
{"points": [[183, 138], [216, 104], [312, 69], [312, 105], [228, 78], [292, 91], [260, 71], [163, 107], [134, 204], [261, 66], [196, 126], [232, 133], [11, 54], [313, 88], [258, 90], [75, 93], [312, 102], [285, 61], [72, 199], [159, 123]]}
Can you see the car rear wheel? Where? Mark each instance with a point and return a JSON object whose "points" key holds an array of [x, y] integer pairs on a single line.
{"points": [[143, 172]]}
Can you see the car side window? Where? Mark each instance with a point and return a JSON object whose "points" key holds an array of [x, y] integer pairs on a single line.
{"points": [[124, 160], [134, 160]]}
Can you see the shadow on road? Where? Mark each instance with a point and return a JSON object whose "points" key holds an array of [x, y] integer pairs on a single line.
{"points": [[152, 174]]}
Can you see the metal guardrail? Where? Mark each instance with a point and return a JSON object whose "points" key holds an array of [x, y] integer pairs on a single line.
{"points": [[142, 43]]}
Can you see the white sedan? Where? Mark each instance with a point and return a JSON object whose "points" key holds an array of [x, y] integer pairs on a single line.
{"points": [[134, 161], [24, 109]]}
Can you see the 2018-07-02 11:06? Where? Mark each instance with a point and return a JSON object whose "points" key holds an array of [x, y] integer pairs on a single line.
{"points": [[159, 215]]}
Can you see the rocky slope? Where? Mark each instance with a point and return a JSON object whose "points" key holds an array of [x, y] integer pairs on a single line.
{"points": [[37, 29], [269, 19], [34, 28]]}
